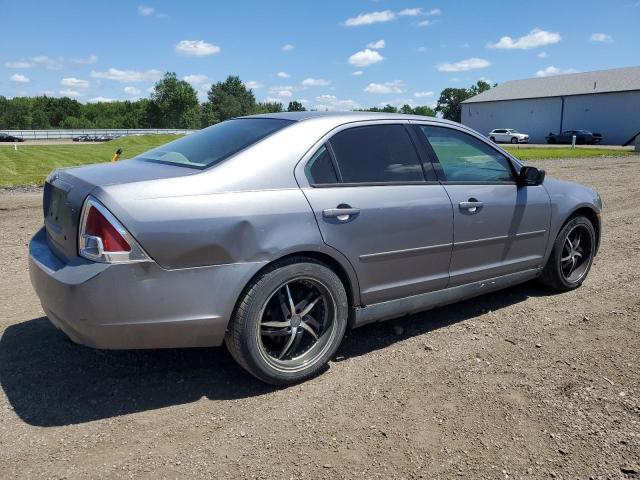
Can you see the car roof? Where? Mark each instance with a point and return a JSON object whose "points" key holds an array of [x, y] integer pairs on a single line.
{"points": [[345, 117]]}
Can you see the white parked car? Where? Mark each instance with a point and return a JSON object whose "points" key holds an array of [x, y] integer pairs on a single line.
{"points": [[507, 135]]}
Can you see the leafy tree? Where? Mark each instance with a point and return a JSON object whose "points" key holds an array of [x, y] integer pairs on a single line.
{"points": [[449, 103], [389, 109], [268, 107], [424, 110], [406, 109], [175, 104], [229, 99], [479, 87], [295, 106]]}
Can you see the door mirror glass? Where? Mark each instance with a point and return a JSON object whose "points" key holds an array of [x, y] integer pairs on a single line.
{"points": [[531, 176]]}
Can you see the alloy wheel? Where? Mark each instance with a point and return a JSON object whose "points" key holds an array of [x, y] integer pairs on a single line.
{"points": [[577, 253], [297, 323]]}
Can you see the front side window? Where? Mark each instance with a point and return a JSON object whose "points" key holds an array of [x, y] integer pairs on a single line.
{"points": [[207, 147], [464, 158], [377, 154]]}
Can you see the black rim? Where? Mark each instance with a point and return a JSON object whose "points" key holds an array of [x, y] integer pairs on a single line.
{"points": [[577, 251], [297, 324]]}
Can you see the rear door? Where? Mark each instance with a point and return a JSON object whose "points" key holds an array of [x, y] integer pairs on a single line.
{"points": [[375, 202], [499, 226]]}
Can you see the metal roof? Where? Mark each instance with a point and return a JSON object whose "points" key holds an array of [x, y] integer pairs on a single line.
{"points": [[602, 81]]}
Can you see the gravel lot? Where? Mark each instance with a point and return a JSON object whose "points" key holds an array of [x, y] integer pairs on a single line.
{"points": [[518, 384]]}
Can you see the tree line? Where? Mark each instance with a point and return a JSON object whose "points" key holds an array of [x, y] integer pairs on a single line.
{"points": [[174, 104]]}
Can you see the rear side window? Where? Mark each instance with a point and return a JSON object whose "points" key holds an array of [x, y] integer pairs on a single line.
{"points": [[376, 154], [207, 147], [320, 168], [464, 158]]}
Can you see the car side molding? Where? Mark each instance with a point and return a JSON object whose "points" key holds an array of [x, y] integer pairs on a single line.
{"points": [[425, 301]]}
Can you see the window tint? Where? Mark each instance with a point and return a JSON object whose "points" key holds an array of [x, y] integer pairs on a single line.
{"points": [[377, 153], [466, 159], [213, 144], [320, 168]]}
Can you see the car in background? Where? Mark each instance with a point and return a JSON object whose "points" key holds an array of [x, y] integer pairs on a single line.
{"points": [[273, 233], [583, 137], [5, 137], [81, 138], [508, 135]]}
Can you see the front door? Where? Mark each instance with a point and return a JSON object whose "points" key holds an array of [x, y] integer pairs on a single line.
{"points": [[499, 227], [373, 203]]}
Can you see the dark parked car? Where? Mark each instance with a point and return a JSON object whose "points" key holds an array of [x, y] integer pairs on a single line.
{"points": [[5, 137], [81, 138], [583, 137], [273, 233]]}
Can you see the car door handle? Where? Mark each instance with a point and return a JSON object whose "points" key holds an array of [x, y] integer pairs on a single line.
{"points": [[341, 213], [472, 206]]}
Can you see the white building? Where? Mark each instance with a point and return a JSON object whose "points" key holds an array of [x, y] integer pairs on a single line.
{"points": [[606, 102]]}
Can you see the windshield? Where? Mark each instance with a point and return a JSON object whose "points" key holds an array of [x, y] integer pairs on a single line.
{"points": [[210, 146]]}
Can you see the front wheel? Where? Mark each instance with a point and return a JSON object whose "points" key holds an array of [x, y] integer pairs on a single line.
{"points": [[290, 322], [572, 255], [514, 140]]}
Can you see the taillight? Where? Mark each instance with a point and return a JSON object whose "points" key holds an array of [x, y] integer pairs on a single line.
{"points": [[98, 226], [102, 238]]}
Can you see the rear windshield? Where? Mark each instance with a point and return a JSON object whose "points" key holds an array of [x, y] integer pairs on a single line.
{"points": [[207, 147]]}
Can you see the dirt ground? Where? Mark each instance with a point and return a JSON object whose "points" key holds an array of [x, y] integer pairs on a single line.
{"points": [[522, 383]]}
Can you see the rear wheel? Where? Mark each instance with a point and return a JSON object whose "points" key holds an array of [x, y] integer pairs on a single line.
{"points": [[514, 140], [551, 140], [493, 139], [572, 255], [290, 322]]}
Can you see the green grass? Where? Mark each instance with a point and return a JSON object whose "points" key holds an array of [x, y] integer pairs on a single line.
{"points": [[524, 153], [30, 164]]}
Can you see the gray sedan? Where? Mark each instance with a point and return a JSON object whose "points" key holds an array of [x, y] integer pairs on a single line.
{"points": [[275, 233]]}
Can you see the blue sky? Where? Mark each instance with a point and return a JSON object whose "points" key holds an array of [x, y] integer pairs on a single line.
{"points": [[330, 54]]}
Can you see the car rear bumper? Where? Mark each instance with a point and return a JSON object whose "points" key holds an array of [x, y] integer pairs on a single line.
{"points": [[136, 305]]}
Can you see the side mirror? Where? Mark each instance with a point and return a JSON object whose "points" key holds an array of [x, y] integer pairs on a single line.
{"points": [[531, 176]]}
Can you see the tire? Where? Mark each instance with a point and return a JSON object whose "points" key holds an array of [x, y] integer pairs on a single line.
{"points": [[514, 140], [551, 141], [580, 141], [556, 273], [492, 139], [280, 354]]}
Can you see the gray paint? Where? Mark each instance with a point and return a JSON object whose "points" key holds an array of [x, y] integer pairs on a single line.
{"points": [[209, 232], [614, 115]]}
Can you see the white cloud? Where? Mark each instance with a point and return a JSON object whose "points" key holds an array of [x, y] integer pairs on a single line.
{"points": [[316, 82], [74, 82], [70, 93], [281, 92], [542, 55], [101, 99], [91, 59], [551, 70], [357, 73], [463, 65], [50, 63], [410, 12], [434, 12], [365, 57], [385, 88], [424, 23], [128, 76], [601, 37], [146, 10], [16, 77], [131, 90], [331, 102], [535, 38], [369, 18], [422, 49], [287, 47], [195, 79], [196, 48], [376, 45], [18, 64], [422, 94], [252, 84], [283, 75]]}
